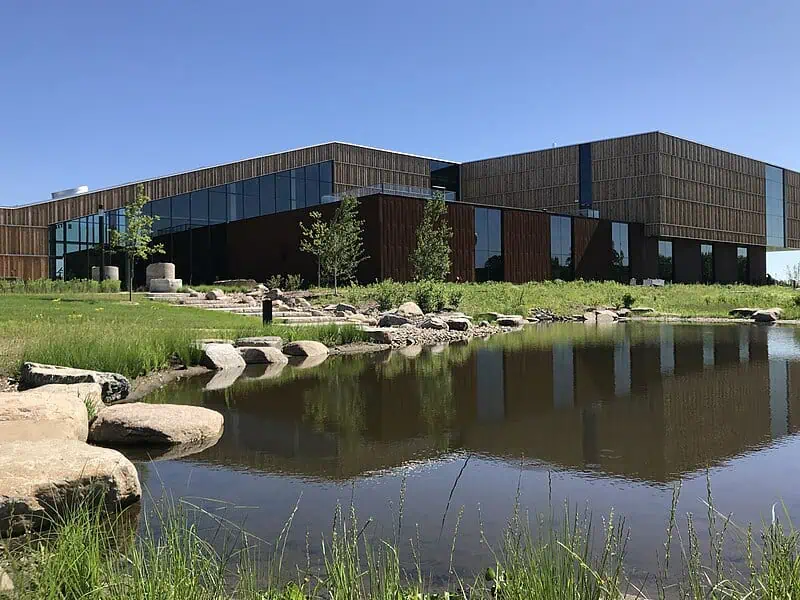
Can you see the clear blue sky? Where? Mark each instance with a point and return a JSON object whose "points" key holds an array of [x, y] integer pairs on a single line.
{"points": [[100, 93]]}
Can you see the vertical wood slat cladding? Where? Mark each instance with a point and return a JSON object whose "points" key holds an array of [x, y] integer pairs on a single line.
{"points": [[791, 197], [400, 218], [356, 166], [24, 267], [591, 248], [526, 246], [23, 240], [462, 257]]}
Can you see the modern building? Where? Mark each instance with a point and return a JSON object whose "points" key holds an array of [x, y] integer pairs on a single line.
{"points": [[645, 206]]}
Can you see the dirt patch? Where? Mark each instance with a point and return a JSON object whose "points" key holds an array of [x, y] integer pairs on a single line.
{"points": [[146, 384]]}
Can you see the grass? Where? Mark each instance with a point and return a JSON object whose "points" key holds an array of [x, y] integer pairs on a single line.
{"points": [[94, 331], [566, 298], [57, 286], [558, 555]]}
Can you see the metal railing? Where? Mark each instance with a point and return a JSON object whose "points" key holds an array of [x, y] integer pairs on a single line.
{"points": [[394, 189]]}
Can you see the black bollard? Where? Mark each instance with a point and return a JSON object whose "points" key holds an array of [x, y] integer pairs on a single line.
{"points": [[266, 311]]}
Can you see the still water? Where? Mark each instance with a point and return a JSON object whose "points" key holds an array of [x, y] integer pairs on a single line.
{"points": [[607, 418]]}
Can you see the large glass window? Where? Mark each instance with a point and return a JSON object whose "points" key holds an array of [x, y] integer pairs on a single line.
{"points": [[283, 192], [488, 245], [161, 209], [620, 259], [181, 212], [775, 207], [561, 248], [742, 265], [707, 262], [217, 205], [326, 172], [267, 184], [298, 188], [199, 214], [665, 260]]}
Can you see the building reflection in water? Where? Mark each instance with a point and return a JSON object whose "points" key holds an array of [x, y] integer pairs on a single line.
{"points": [[643, 402]]}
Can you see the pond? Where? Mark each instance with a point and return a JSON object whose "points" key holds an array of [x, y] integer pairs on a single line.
{"points": [[608, 418]]}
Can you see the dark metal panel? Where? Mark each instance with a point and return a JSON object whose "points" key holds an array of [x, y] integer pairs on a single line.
{"points": [[758, 264], [686, 262], [526, 246], [591, 248], [725, 265], [462, 245]]}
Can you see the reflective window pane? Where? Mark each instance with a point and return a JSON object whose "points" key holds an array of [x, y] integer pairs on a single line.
{"points": [[180, 212], [312, 192], [298, 193], [251, 207], [161, 209], [267, 184], [283, 192], [199, 209], [312, 172], [481, 229], [251, 187], [325, 188], [235, 207], [707, 262], [326, 172], [217, 205], [665, 260], [494, 230]]}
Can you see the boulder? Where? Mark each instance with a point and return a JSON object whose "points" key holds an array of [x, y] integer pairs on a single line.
{"points": [[164, 286], [623, 312], [113, 385], [274, 294], [510, 321], [302, 303], [379, 335], [305, 348], [48, 412], [744, 313], [40, 481], [140, 423], [215, 295], [221, 356], [266, 341], [224, 378], [765, 316], [160, 270], [605, 316], [483, 324], [393, 320], [345, 307], [433, 323], [641, 310], [589, 317], [409, 309], [459, 323], [263, 355]]}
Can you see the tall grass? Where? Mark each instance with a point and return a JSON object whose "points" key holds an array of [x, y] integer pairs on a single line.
{"points": [[58, 286]]}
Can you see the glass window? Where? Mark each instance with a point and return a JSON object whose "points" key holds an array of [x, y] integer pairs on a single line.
{"points": [[267, 185], [620, 258], [251, 207], [83, 235], [60, 232], [776, 234], [312, 192], [235, 188], [325, 189], [665, 260], [561, 248], [585, 175], [199, 208], [326, 172], [742, 265], [217, 205], [312, 172], [298, 192], [707, 262], [181, 205], [283, 192], [251, 187], [161, 208], [72, 231], [488, 245], [235, 206]]}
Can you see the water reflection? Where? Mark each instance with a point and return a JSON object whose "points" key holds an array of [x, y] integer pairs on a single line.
{"points": [[642, 402]]}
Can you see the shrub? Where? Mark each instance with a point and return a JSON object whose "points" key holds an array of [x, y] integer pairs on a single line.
{"points": [[430, 296], [628, 300], [293, 281], [274, 281], [796, 300], [386, 293], [454, 298]]}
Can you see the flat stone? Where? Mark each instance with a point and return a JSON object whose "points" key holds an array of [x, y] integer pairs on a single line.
{"points": [[262, 355], [215, 295], [379, 335], [434, 323], [605, 316], [393, 320], [765, 316], [266, 341], [510, 321], [274, 294], [345, 307], [409, 309], [113, 385], [589, 317], [140, 423], [744, 313], [623, 312], [40, 481], [305, 348], [302, 303], [459, 323], [165, 286], [221, 356], [640, 310], [48, 412]]}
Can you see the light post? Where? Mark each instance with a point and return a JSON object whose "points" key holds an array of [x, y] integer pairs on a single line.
{"points": [[102, 214]]}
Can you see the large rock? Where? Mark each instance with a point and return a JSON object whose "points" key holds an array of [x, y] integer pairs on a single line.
{"points": [[409, 309], [139, 423], [433, 323], [164, 286], [510, 321], [641, 310], [393, 320], [744, 313], [215, 295], [113, 385], [41, 481], [605, 316], [48, 412], [765, 316], [305, 348], [262, 355], [379, 335], [345, 307], [266, 341], [459, 323], [221, 356]]}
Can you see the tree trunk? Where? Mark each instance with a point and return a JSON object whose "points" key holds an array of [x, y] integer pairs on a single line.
{"points": [[319, 273], [335, 283], [130, 278]]}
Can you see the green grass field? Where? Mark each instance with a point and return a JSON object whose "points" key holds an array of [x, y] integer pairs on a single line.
{"points": [[99, 331]]}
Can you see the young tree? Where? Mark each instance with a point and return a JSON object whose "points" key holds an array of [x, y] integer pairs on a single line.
{"points": [[315, 240], [431, 257], [793, 274], [136, 240], [338, 243]]}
